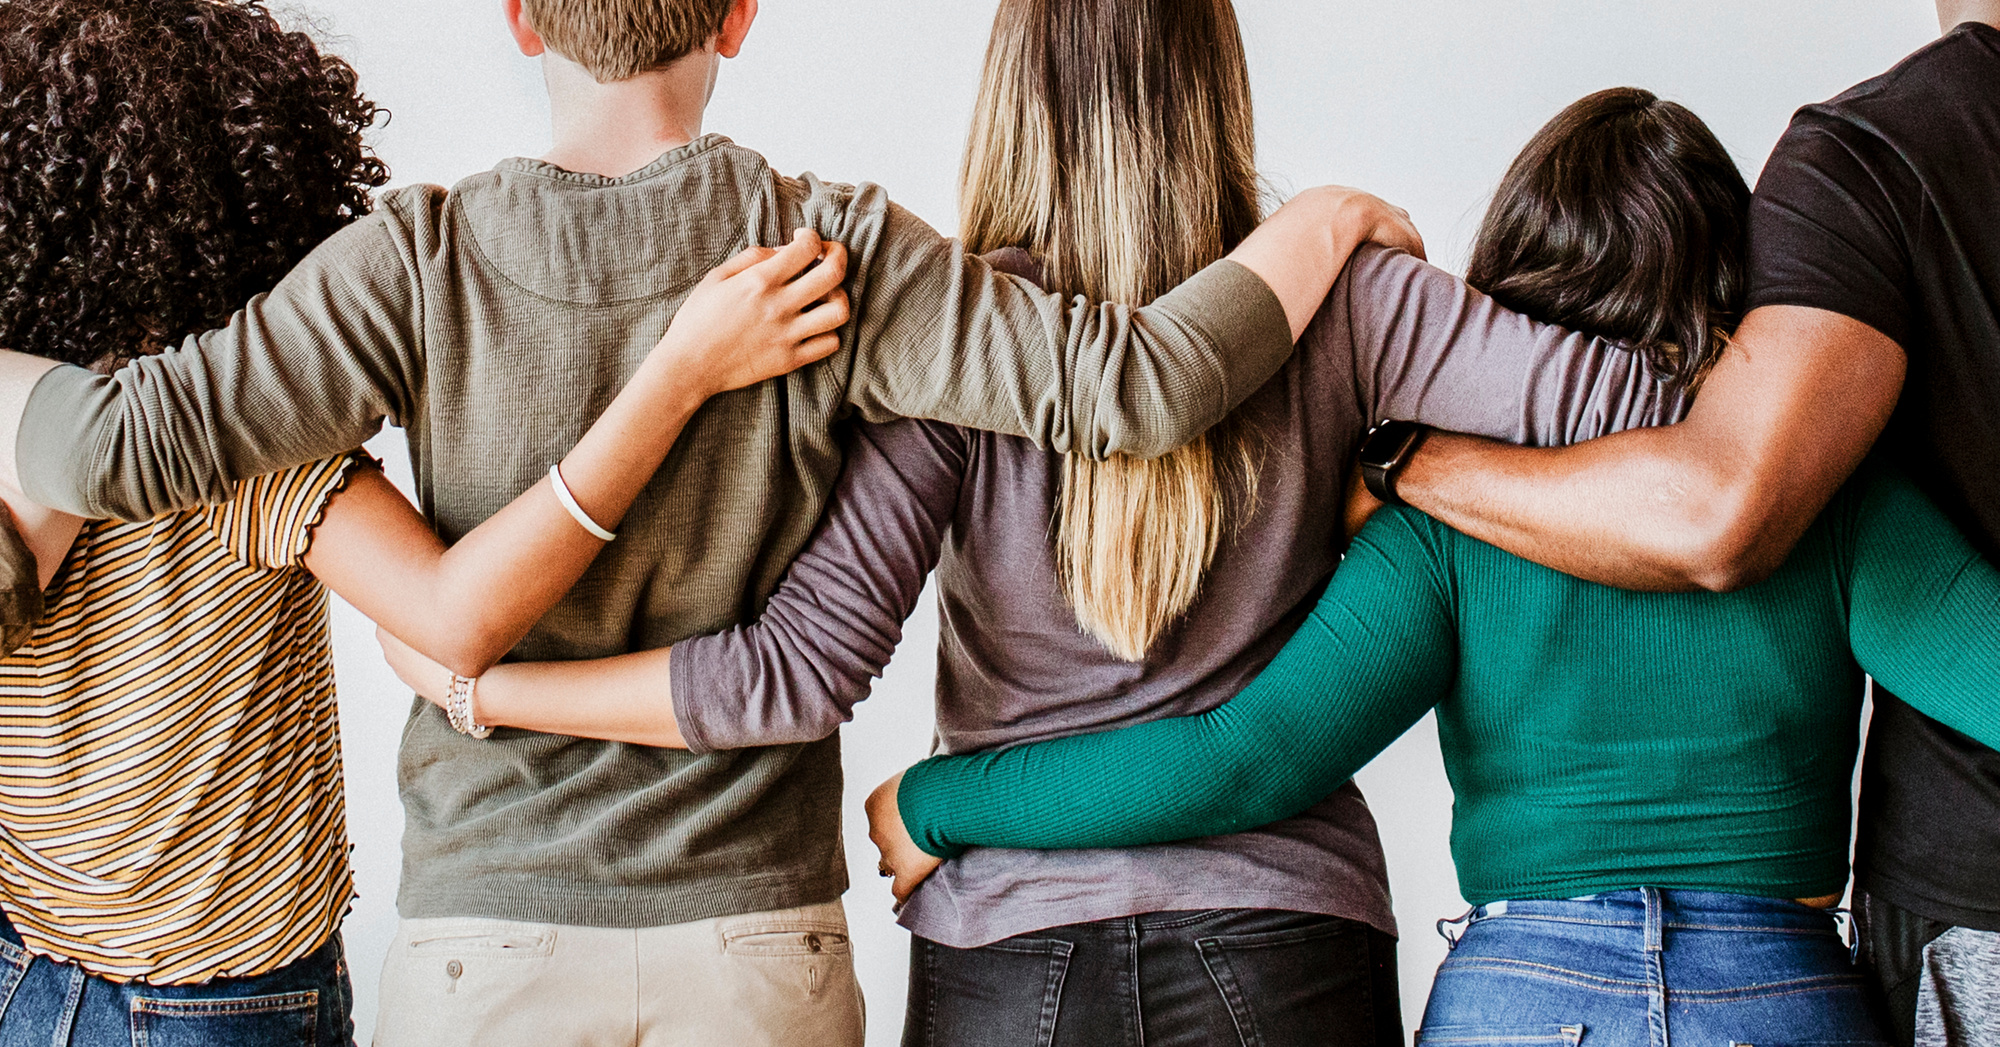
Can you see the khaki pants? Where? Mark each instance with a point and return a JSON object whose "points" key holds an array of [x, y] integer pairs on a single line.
{"points": [[783, 977]]}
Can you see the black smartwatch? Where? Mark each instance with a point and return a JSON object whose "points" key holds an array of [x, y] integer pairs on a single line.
{"points": [[1384, 452]]}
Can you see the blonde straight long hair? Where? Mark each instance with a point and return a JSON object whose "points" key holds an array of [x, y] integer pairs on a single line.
{"points": [[1112, 140]]}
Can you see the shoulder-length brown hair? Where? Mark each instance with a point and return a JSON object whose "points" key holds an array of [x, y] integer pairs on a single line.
{"points": [[1112, 140], [1624, 217]]}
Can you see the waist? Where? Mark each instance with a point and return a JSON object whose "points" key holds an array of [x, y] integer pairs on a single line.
{"points": [[1639, 907], [1326, 861], [549, 829]]}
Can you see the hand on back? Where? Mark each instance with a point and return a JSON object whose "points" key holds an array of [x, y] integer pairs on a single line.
{"points": [[763, 313]]}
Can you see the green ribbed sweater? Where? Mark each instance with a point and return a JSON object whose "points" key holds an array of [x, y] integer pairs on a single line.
{"points": [[1596, 738]]}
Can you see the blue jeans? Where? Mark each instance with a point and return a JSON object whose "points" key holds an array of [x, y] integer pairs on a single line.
{"points": [[45, 1003], [1649, 968], [1255, 977]]}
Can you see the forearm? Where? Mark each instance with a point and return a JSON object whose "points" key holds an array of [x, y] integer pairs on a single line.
{"points": [[941, 335], [1632, 509], [1326, 705], [622, 699], [796, 673], [1301, 249], [1714, 502], [467, 605], [1923, 606]]}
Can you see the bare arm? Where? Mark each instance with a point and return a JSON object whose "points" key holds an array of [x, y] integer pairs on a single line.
{"points": [[793, 675], [619, 699], [48, 533], [1714, 502], [34, 540], [1300, 250], [467, 605]]}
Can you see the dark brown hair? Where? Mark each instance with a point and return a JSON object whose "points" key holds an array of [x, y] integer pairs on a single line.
{"points": [[162, 161], [1623, 217]]}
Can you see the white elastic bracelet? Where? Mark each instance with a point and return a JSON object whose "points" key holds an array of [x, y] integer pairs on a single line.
{"points": [[568, 501]]}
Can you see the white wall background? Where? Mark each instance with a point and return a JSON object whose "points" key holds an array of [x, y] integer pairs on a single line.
{"points": [[1424, 103]]}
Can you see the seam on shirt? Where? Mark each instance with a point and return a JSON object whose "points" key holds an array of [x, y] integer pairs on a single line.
{"points": [[455, 211]]}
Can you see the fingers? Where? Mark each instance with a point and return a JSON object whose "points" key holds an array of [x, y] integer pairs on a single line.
{"points": [[1413, 240], [740, 261], [1391, 226], [790, 260], [817, 348], [821, 280], [827, 315]]}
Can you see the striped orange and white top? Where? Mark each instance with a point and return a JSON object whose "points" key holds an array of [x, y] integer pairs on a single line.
{"points": [[170, 778]]}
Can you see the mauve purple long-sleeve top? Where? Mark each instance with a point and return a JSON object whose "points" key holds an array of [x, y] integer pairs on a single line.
{"points": [[1396, 338]]}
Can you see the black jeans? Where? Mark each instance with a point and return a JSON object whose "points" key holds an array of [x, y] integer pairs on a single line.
{"points": [[1257, 977]]}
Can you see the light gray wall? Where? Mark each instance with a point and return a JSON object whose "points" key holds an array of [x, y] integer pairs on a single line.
{"points": [[1422, 103]]}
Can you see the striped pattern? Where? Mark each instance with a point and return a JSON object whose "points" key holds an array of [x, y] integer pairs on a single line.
{"points": [[170, 790]]}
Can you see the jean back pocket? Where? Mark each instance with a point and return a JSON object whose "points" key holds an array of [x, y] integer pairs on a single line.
{"points": [[279, 1020]]}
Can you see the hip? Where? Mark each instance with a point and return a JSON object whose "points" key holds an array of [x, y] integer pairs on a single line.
{"points": [[1327, 861], [308, 1002], [1646, 965], [1218, 976]]}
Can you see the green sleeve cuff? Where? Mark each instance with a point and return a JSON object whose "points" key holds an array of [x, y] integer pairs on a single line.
{"points": [[921, 799]]}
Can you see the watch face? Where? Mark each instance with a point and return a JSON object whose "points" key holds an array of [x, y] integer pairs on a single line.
{"points": [[1384, 443]]}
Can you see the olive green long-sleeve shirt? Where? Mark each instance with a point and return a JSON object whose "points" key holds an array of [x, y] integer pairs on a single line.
{"points": [[494, 322]]}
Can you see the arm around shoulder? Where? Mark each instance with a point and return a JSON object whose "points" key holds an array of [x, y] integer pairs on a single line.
{"points": [[1714, 502], [941, 335], [306, 371]]}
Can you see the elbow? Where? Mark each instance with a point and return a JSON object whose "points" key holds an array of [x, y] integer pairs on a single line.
{"points": [[1731, 538], [469, 656]]}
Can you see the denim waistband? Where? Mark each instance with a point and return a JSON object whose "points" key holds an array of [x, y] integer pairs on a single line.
{"points": [[1664, 907]]}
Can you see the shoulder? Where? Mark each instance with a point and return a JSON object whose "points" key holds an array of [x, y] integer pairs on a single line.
{"points": [[1375, 283], [406, 224], [1385, 293], [1380, 278], [1920, 107], [410, 211]]}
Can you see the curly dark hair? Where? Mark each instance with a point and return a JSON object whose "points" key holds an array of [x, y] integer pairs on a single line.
{"points": [[161, 162]]}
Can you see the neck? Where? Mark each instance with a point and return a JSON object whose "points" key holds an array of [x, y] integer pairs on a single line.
{"points": [[1952, 13], [617, 128]]}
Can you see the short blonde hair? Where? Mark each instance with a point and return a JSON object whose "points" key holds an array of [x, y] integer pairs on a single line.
{"points": [[619, 39]]}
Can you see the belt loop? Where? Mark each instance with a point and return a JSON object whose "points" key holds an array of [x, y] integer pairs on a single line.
{"points": [[1654, 918], [1443, 925], [1844, 918]]}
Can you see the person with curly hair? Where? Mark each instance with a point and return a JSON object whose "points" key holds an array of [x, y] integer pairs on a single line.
{"points": [[172, 833]]}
